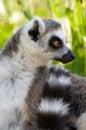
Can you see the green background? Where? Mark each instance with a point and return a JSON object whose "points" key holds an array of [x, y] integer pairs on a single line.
{"points": [[72, 13]]}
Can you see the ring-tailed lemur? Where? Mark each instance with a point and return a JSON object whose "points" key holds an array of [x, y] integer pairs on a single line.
{"points": [[49, 100], [32, 46]]}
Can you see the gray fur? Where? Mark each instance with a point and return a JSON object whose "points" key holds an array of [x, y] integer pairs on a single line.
{"points": [[78, 91], [78, 101], [51, 25], [12, 45]]}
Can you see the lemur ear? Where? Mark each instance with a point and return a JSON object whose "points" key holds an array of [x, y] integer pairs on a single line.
{"points": [[38, 27]]}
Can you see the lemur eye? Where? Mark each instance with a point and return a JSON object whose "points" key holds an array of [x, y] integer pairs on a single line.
{"points": [[55, 42]]}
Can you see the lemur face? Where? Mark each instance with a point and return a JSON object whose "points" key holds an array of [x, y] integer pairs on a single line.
{"points": [[47, 36]]}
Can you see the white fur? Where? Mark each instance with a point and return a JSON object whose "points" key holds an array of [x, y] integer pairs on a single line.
{"points": [[54, 106], [25, 38], [81, 122], [60, 34], [41, 24], [14, 85], [62, 80]]}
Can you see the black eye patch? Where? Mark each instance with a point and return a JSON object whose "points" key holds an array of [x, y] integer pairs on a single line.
{"points": [[55, 42]]}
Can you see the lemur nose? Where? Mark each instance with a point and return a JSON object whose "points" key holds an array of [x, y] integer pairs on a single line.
{"points": [[72, 56], [69, 56]]}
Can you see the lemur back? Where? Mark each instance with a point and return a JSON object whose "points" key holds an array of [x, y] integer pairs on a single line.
{"points": [[50, 101]]}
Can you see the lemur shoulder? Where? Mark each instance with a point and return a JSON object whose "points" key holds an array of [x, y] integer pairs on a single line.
{"points": [[32, 46]]}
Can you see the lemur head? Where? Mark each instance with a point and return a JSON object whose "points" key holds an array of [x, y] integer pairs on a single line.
{"points": [[46, 36], [39, 41]]}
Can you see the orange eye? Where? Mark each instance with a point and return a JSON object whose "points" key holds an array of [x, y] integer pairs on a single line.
{"points": [[55, 43]]}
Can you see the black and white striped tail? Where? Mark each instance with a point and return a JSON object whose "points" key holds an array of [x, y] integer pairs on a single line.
{"points": [[53, 109]]}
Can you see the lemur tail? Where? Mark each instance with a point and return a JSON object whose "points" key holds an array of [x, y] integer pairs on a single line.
{"points": [[54, 108]]}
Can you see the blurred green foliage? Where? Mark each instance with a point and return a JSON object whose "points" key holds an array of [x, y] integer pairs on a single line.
{"points": [[13, 13]]}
